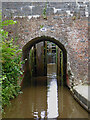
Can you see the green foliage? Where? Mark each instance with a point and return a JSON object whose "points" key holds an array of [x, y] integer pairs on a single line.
{"points": [[16, 39], [44, 12], [11, 66], [41, 26], [74, 18], [8, 22]]}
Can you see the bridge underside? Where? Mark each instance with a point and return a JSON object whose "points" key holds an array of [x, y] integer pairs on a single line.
{"points": [[32, 45]]}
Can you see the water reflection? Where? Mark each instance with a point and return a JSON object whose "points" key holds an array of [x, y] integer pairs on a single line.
{"points": [[52, 99], [45, 100], [52, 92]]}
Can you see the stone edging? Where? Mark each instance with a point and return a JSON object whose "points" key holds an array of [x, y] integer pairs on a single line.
{"points": [[81, 100]]}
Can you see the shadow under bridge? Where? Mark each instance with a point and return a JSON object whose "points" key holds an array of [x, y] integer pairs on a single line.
{"points": [[35, 55]]}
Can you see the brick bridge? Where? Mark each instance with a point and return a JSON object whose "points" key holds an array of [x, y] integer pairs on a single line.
{"points": [[69, 31]]}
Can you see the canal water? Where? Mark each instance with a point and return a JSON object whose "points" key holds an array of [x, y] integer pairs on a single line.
{"points": [[45, 98]]}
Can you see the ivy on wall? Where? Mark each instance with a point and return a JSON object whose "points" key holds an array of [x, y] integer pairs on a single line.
{"points": [[11, 65]]}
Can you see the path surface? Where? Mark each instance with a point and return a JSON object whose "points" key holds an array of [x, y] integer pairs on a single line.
{"points": [[83, 90], [82, 93]]}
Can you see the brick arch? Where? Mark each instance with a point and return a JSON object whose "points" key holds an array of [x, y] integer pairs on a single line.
{"points": [[36, 40]]}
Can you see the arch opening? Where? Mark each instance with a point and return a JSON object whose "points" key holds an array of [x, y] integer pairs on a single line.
{"points": [[30, 44]]}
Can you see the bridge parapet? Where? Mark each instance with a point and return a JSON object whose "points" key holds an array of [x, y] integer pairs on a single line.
{"points": [[12, 9]]}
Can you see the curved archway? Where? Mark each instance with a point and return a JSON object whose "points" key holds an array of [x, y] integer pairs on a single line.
{"points": [[34, 41]]}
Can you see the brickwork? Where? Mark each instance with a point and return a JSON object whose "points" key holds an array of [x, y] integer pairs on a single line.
{"points": [[10, 9], [72, 33]]}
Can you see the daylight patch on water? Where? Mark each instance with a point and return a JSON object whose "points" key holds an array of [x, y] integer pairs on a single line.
{"points": [[52, 100]]}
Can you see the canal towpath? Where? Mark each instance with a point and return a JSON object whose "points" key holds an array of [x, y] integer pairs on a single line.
{"points": [[81, 94]]}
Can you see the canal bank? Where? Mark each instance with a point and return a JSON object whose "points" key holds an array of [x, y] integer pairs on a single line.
{"points": [[81, 94]]}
